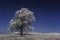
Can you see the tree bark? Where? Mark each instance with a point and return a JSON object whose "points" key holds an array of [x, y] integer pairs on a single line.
{"points": [[21, 31]]}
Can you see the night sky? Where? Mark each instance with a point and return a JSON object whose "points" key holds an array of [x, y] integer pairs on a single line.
{"points": [[47, 14]]}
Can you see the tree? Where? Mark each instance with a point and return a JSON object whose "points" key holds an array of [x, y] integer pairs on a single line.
{"points": [[22, 19]]}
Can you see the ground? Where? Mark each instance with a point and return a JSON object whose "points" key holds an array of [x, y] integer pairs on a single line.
{"points": [[40, 36]]}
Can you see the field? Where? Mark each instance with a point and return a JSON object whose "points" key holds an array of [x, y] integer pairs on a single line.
{"points": [[30, 37]]}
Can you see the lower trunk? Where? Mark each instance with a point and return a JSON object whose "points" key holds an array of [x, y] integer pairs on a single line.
{"points": [[21, 31]]}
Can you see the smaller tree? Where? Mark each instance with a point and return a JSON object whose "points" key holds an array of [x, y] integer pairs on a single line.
{"points": [[22, 20]]}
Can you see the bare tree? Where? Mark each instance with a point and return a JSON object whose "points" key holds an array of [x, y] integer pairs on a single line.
{"points": [[22, 19]]}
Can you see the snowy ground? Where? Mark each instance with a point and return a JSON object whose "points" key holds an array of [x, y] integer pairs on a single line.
{"points": [[41, 36]]}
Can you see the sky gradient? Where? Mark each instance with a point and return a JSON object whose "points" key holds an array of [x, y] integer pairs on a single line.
{"points": [[47, 14]]}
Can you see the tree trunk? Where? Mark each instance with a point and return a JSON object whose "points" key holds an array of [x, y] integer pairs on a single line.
{"points": [[21, 31]]}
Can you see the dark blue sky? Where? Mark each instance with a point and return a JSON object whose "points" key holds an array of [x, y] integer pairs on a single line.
{"points": [[47, 14]]}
